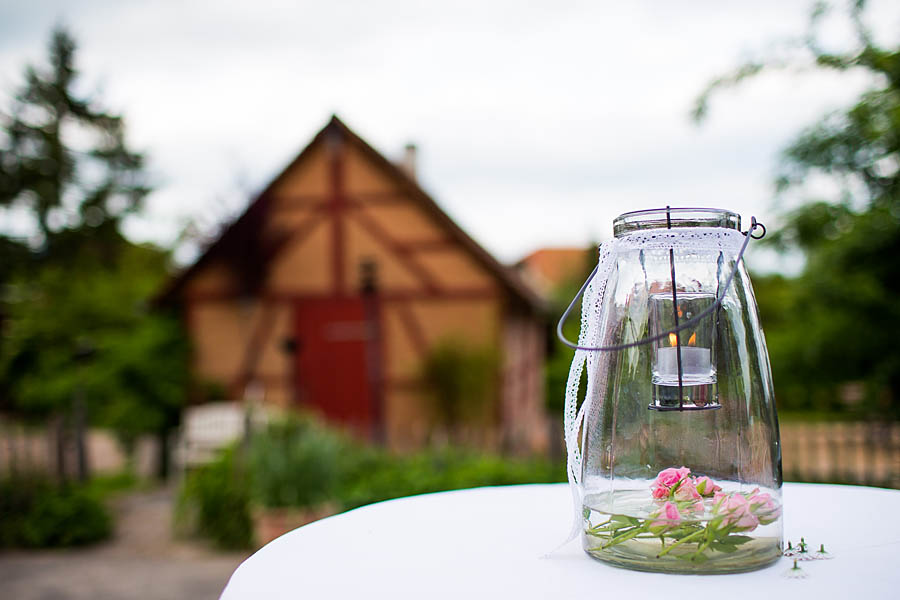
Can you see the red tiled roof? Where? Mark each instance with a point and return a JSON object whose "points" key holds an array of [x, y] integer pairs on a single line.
{"points": [[548, 268]]}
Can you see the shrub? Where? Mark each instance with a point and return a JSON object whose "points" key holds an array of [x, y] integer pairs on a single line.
{"points": [[214, 502], [296, 463], [299, 463], [384, 476], [37, 514], [293, 463], [105, 486], [461, 383]]}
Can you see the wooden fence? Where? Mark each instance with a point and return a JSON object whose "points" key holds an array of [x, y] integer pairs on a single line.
{"points": [[857, 453]]}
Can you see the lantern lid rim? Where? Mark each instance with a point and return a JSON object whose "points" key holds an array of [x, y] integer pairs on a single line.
{"points": [[668, 218]]}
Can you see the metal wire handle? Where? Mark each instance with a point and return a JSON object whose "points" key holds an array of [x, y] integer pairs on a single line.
{"points": [[754, 225]]}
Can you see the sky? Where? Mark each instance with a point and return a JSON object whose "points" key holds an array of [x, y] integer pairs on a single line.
{"points": [[536, 122]]}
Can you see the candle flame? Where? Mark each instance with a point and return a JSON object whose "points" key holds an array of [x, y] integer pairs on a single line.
{"points": [[673, 339]]}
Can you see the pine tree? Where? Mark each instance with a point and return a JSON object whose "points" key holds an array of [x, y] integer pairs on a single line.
{"points": [[64, 158]]}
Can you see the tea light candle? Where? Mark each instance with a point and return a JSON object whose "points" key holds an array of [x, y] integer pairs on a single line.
{"points": [[695, 362]]}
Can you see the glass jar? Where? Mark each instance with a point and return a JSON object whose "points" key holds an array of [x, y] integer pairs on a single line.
{"points": [[680, 461]]}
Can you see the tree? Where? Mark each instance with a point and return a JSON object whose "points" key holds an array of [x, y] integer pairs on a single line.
{"points": [[64, 159], [840, 320], [135, 380], [78, 341]]}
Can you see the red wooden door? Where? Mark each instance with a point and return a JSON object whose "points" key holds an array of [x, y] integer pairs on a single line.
{"points": [[331, 360]]}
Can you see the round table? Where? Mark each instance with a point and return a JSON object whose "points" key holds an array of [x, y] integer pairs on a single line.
{"points": [[493, 543]]}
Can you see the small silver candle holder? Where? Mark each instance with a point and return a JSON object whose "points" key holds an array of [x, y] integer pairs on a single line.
{"points": [[684, 363]]}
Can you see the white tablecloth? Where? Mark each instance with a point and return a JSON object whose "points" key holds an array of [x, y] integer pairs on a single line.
{"points": [[490, 542]]}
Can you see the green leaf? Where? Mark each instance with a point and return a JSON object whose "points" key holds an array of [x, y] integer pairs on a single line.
{"points": [[737, 539], [720, 547], [699, 558], [626, 521]]}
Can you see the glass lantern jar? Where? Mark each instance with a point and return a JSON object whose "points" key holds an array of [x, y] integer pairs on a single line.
{"points": [[676, 454]]}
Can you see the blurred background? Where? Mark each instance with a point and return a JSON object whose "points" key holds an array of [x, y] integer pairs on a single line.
{"points": [[261, 263]]}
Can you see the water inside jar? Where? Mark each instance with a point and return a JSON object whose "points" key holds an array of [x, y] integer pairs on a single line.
{"points": [[752, 549]]}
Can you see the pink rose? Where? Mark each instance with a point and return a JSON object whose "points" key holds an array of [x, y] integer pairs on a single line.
{"points": [[765, 509], [745, 521], [670, 512], [697, 506], [687, 492], [706, 486], [667, 477], [667, 518], [671, 476], [737, 503], [718, 498], [736, 510], [757, 499], [660, 492]]}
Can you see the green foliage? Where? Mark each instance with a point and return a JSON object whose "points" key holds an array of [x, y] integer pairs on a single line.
{"points": [[462, 382], [79, 288], [295, 463], [382, 477], [300, 463], [103, 487], [214, 502], [36, 514], [839, 321], [292, 463], [135, 380], [64, 158]]}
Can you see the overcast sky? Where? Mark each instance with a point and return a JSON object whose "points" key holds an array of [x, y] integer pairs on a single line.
{"points": [[537, 123]]}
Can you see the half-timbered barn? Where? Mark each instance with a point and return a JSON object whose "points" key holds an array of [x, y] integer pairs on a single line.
{"points": [[337, 281]]}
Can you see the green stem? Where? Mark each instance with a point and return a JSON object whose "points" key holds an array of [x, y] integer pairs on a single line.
{"points": [[701, 548], [623, 537], [681, 541], [637, 537]]}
